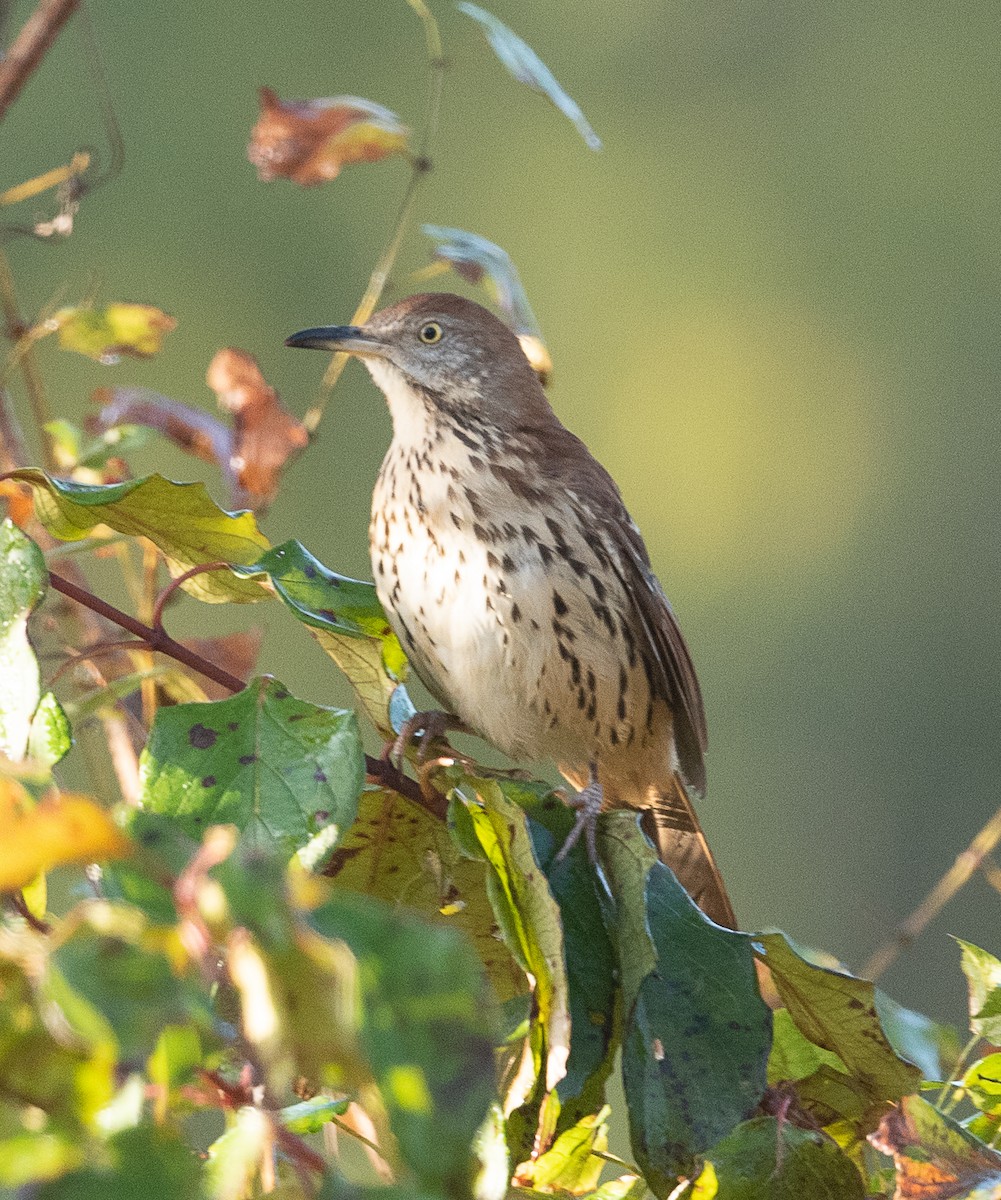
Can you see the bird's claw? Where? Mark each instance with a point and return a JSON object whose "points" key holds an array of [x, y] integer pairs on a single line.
{"points": [[429, 727], [588, 805]]}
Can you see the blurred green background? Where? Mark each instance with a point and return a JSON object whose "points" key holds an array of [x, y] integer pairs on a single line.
{"points": [[772, 303]]}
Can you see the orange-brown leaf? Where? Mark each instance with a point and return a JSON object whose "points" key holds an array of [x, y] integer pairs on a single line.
{"points": [[61, 829], [266, 435], [309, 141]]}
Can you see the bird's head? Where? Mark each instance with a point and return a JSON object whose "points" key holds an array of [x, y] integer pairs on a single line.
{"points": [[440, 351]]}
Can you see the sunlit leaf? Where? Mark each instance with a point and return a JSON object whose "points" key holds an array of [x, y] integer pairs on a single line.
{"points": [[345, 617], [397, 852], [570, 1164], [526, 66], [60, 830], [764, 1159], [234, 1159], [697, 1033], [481, 262], [49, 736], [310, 1116], [266, 435], [837, 1012], [935, 1158], [22, 585], [277, 768], [179, 518], [428, 1031], [490, 827], [983, 980], [108, 333], [309, 141], [983, 1084], [33, 1157], [933, 1048]]}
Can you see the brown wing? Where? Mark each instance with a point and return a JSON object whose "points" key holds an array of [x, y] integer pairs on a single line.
{"points": [[674, 678]]}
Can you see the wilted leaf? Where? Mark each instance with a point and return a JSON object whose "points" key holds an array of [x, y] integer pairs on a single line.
{"points": [[764, 1159], [479, 261], [490, 827], [397, 852], [526, 66], [108, 333], [22, 585], [309, 141], [837, 1012], [180, 519], [266, 433], [278, 768], [427, 1030], [983, 980], [697, 1033], [936, 1159], [345, 617], [60, 830], [194, 430]]}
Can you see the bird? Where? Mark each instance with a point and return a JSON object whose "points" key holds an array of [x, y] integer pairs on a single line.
{"points": [[518, 584]]}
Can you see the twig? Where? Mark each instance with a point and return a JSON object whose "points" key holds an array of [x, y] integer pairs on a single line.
{"points": [[19, 333], [30, 46], [420, 168], [175, 583], [967, 864], [377, 770]]}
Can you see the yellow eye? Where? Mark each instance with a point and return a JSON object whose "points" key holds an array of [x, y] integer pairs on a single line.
{"points": [[430, 333]]}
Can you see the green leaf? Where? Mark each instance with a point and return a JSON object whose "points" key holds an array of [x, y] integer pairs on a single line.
{"points": [[526, 66], [345, 617], [490, 827], [120, 328], [591, 962], [45, 1067], [983, 1084], [696, 1032], [933, 1048], [49, 736], [120, 966], [180, 519], [177, 1055], [278, 768], [235, 1157], [837, 1012], [310, 1116], [934, 1156], [983, 980], [31, 1157], [428, 1026], [397, 852], [141, 1162], [764, 1159], [22, 585], [570, 1164]]}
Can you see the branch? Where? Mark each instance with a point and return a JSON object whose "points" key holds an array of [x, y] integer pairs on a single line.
{"points": [[378, 770], [30, 46]]}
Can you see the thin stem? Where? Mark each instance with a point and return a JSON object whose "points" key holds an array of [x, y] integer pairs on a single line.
{"points": [[175, 583], [966, 865], [377, 770], [30, 46], [420, 168]]}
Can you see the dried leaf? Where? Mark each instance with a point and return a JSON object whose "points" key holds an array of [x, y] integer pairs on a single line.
{"points": [[309, 141], [192, 429], [479, 261], [106, 334], [62, 829], [266, 434], [526, 66]]}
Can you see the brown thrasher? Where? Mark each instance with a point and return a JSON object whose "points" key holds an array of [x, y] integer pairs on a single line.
{"points": [[518, 583]]}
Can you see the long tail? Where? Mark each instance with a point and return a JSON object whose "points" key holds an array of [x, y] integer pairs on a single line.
{"points": [[674, 829]]}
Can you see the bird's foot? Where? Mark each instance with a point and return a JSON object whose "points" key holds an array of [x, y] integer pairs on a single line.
{"points": [[588, 805], [422, 729]]}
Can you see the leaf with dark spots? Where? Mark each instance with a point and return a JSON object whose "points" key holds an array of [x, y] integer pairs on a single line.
{"points": [[278, 762]]}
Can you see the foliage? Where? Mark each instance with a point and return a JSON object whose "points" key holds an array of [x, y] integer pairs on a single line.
{"points": [[291, 947]]}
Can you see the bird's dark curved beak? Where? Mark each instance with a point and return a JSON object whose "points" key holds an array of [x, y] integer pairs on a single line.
{"points": [[350, 339]]}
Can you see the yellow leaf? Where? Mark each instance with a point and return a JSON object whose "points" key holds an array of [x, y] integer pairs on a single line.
{"points": [[107, 333], [60, 830]]}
